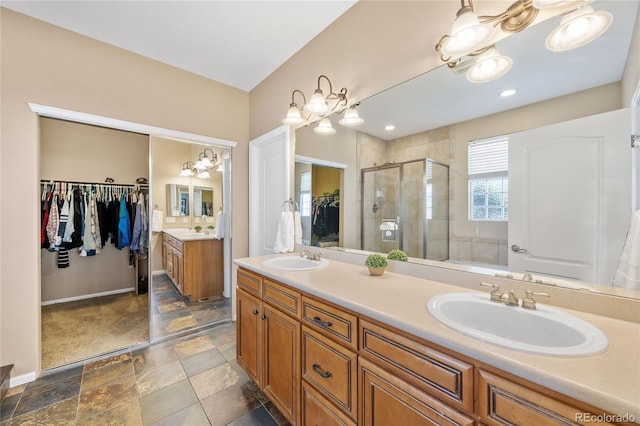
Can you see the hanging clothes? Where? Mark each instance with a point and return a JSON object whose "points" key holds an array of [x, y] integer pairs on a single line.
{"points": [[46, 207], [124, 230], [140, 227], [88, 241], [52, 224]]}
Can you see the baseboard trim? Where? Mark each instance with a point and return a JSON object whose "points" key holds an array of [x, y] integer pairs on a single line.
{"points": [[22, 379], [159, 272], [88, 296]]}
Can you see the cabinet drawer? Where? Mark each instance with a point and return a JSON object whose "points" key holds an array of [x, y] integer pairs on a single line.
{"points": [[501, 401], [317, 410], [250, 282], [331, 321], [173, 242], [385, 399], [437, 373], [281, 297], [331, 369]]}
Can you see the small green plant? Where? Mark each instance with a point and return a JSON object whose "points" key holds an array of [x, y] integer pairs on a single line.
{"points": [[376, 260], [197, 228], [211, 227], [399, 255]]}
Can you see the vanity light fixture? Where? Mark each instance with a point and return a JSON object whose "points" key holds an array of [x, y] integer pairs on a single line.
{"points": [[204, 174], [209, 158], [187, 169], [469, 38], [320, 106], [489, 65], [579, 28]]}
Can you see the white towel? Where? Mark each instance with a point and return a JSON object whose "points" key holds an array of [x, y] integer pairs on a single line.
{"points": [[628, 272], [219, 231], [285, 234], [297, 223], [156, 221]]}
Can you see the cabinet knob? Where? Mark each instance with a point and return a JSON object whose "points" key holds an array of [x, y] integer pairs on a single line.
{"points": [[255, 312], [263, 316]]}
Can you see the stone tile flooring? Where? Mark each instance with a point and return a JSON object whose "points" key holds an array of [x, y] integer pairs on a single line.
{"points": [[192, 380]]}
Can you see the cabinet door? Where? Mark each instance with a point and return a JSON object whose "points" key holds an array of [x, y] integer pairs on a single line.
{"points": [[387, 400], [318, 411], [249, 335], [168, 259], [178, 271], [281, 340]]}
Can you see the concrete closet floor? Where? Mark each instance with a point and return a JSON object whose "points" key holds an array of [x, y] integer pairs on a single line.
{"points": [[192, 380]]}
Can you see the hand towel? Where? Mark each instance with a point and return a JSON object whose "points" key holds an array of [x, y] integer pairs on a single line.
{"points": [[285, 234], [297, 232], [219, 231], [628, 273], [156, 221]]}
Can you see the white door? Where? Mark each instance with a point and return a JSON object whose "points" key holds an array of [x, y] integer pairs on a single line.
{"points": [[570, 197], [269, 176]]}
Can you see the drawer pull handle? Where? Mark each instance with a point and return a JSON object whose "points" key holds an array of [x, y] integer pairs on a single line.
{"points": [[255, 312], [324, 374], [321, 323]]}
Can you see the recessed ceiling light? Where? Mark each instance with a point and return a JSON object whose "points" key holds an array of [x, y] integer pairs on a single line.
{"points": [[389, 127], [507, 93]]}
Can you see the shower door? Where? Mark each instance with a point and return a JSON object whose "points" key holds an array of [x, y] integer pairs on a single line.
{"points": [[406, 206]]}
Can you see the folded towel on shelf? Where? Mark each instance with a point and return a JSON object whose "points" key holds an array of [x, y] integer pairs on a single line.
{"points": [[297, 228], [219, 231], [156, 221], [285, 235], [628, 273]]}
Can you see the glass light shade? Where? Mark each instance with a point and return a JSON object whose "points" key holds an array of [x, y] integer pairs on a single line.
{"points": [[220, 167], [317, 104], [199, 165], [489, 66], [324, 127], [578, 28], [545, 4], [293, 115], [186, 172], [206, 162], [351, 118], [204, 174], [467, 35]]}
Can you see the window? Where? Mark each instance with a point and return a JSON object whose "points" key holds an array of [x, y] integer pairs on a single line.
{"points": [[489, 179], [305, 194]]}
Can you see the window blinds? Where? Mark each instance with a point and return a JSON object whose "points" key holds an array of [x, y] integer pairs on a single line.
{"points": [[489, 156]]}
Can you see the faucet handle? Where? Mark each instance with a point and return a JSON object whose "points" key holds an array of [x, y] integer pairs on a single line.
{"points": [[528, 302], [496, 296]]}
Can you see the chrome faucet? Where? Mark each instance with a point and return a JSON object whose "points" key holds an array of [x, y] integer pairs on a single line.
{"points": [[310, 255]]}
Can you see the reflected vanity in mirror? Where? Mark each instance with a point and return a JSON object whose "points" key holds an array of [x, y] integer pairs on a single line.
{"points": [[436, 117], [202, 201], [177, 200]]}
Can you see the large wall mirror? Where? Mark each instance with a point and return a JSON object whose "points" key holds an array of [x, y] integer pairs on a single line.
{"points": [[178, 200], [440, 117]]}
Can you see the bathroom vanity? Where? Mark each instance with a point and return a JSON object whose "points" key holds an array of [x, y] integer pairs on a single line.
{"points": [[194, 263], [337, 346]]}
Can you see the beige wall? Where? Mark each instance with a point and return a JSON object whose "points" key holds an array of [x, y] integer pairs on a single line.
{"points": [[46, 65], [67, 152]]}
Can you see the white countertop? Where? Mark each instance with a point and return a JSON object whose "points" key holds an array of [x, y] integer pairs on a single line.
{"points": [[184, 234], [610, 380]]}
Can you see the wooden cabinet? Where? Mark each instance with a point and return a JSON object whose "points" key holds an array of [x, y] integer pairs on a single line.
{"points": [[268, 340], [195, 266], [322, 365]]}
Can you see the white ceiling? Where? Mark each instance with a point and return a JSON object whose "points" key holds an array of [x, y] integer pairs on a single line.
{"points": [[238, 43]]}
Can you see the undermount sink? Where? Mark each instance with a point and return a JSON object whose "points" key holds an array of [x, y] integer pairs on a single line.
{"points": [[545, 331], [294, 263]]}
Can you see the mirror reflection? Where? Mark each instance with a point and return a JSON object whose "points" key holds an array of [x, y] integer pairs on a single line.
{"points": [[177, 200], [441, 116], [202, 201]]}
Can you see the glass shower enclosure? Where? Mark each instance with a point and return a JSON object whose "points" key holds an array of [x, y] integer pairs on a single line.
{"points": [[406, 206]]}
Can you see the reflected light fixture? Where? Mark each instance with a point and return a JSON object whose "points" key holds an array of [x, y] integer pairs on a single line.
{"points": [[320, 106], [187, 169], [207, 159], [204, 174], [489, 65], [324, 127], [578, 28]]}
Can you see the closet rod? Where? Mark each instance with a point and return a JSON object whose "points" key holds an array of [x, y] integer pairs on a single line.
{"points": [[49, 181]]}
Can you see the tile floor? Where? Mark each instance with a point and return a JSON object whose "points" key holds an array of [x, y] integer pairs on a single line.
{"points": [[191, 380]]}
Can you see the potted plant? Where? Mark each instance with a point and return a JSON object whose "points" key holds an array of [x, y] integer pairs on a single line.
{"points": [[398, 255], [376, 264], [197, 228]]}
